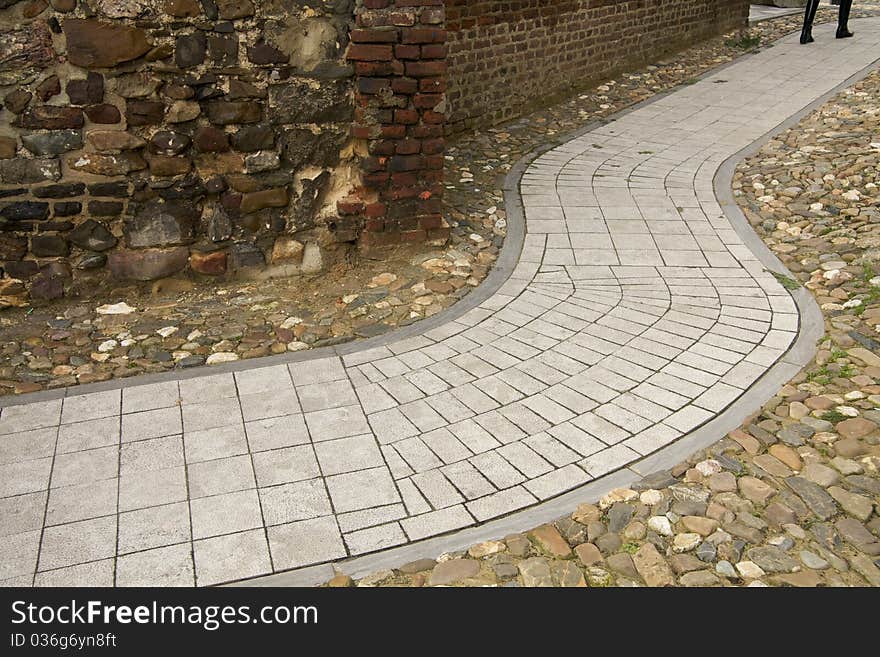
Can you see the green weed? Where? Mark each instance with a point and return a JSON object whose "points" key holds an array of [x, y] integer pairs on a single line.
{"points": [[744, 41]]}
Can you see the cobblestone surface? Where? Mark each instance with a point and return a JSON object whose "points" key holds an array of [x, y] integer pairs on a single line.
{"points": [[571, 370]]}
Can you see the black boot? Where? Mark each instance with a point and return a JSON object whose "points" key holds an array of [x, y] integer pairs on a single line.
{"points": [[809, 15], [843, 18]]}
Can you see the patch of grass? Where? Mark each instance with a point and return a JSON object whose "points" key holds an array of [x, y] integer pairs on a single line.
{"points": [[630, 548], [837, 353], [785, 281], [744, 41], [823, 375], [847, 372], [871, 298], [834, 417]]}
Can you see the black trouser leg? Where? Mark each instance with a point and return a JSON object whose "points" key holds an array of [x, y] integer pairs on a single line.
{"points": [[843, 19], [809, 16]]}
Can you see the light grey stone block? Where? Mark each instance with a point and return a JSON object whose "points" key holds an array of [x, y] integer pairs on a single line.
{"points": [[161, 567], [154, 527], [225, 514], [285, 465], [231, 557], [224, 475], [78, 542], [305, 543], [301, 500], [362, 489]]}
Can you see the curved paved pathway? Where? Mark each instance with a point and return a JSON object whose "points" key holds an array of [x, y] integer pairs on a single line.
{"points": [[635, 313]]}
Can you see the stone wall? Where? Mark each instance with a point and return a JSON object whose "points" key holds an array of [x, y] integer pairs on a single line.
{"points": [[142, 138], [507, 55]]}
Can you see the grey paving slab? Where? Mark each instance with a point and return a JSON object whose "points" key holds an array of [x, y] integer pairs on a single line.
{"points": [[363, 489], [272, 433], [372, 539], [91, 406], [354, 520], [95, 573], [84, 467], [219, 442], [144, 489], [160, 567], [285, 465], [22, 513], [90, 434], [225, 514], [231, 557], [223, 475], [156, 526], [151, 396], [630, 318], [18, 554], [24, 477], [262, 405], [83, 502], [34, 415], [301, 500], [153, 454], [303, 543], [78, 542]]}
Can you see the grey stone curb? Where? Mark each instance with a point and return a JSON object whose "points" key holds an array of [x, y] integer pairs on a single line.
{"points": [[810, 330]]}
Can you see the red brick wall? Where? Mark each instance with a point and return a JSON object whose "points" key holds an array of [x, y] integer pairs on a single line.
{"points": [[507, 54], [399, 53]]}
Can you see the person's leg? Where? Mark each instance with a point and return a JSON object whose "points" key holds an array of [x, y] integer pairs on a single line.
{"points": [[843, 19], [809, 16]]}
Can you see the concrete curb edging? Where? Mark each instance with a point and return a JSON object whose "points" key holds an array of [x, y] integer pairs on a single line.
{"points": [[811, 328]]}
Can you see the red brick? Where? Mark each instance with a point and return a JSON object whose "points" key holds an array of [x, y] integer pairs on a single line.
{"points": [[406, 117], [370, 53], [382, 35], [408, 147], [434, 51], [407, 52], [427, 101], [374, 210], [423, 35], [422, 69], [405, 86], [350, 207]]}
